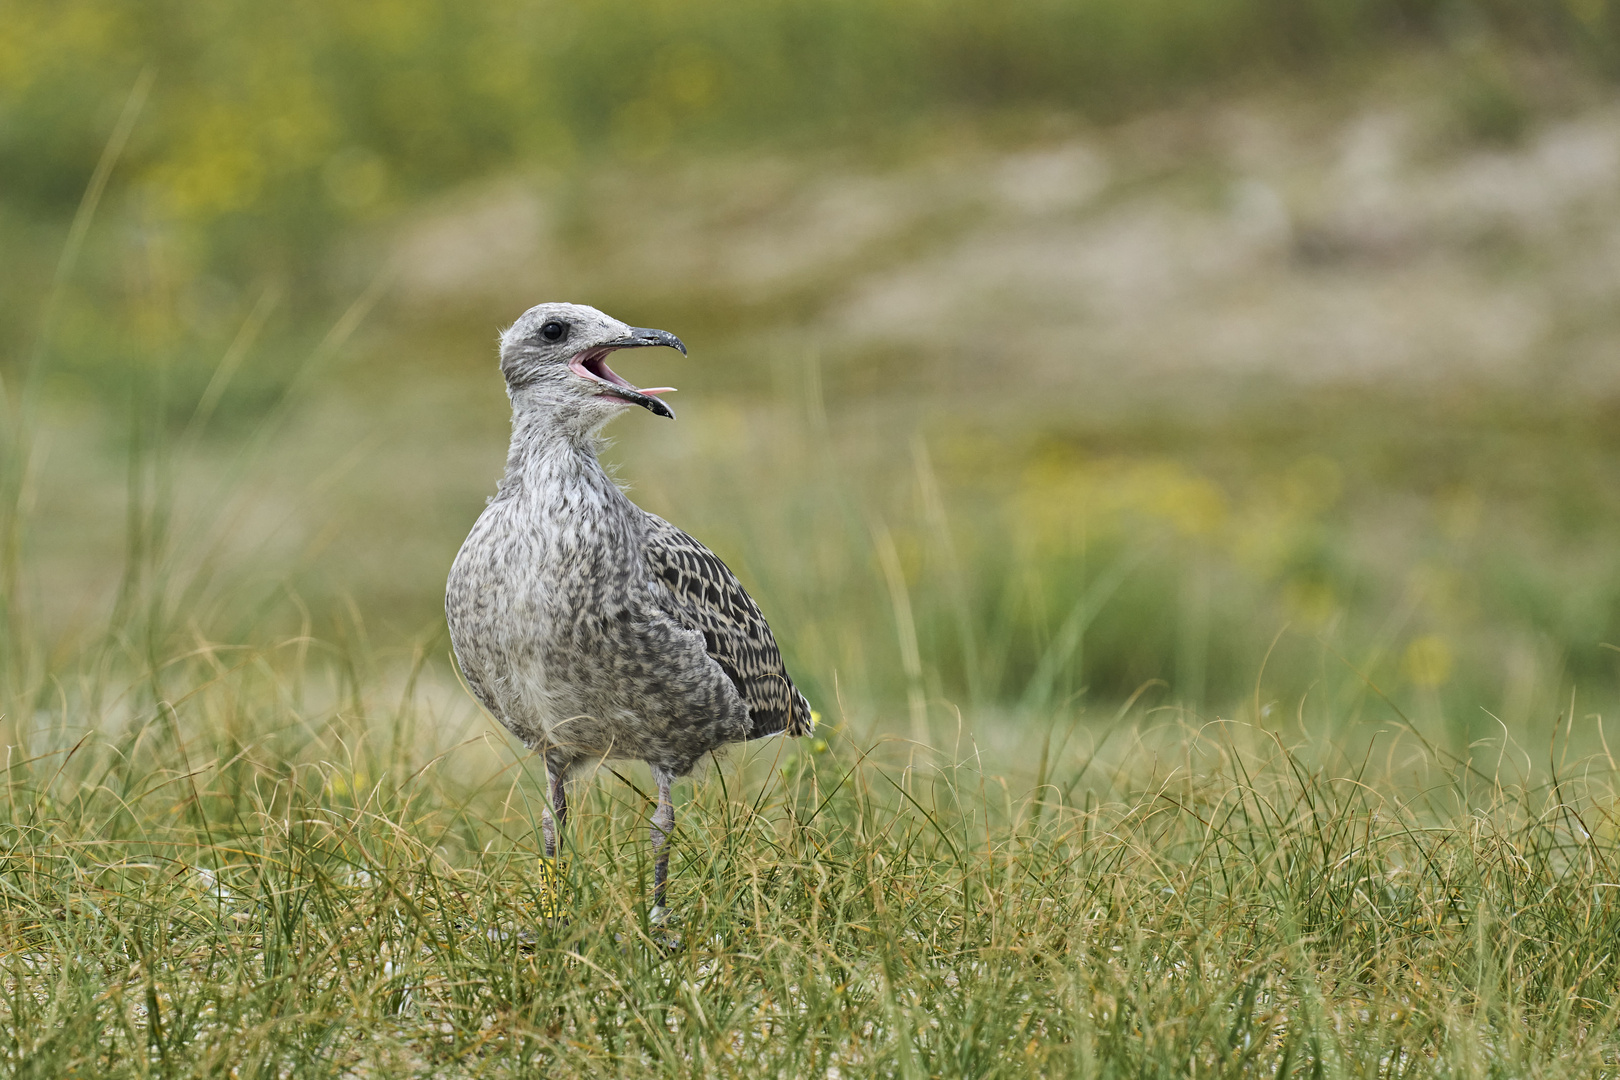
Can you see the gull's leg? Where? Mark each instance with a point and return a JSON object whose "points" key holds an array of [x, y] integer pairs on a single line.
{"points": [[555, 816], [663, 823], [553, 819]]}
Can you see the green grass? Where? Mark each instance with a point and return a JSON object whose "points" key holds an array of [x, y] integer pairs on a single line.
{"points": [[246, 865]]}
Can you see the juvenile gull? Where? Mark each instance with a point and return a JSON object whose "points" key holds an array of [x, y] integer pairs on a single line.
{"points": [[592, 629]]}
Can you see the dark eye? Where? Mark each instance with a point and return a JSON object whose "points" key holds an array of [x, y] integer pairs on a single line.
{"points": [[554, 330]]}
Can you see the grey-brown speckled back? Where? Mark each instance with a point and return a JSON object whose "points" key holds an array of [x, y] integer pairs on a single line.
{"points": [[590, 628]]}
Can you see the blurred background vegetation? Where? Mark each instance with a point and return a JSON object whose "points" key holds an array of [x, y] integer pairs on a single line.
{"points": [[1252, 352]]}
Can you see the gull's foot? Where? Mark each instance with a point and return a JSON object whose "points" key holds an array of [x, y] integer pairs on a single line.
{"points": [[547, 906], [550, 892], [661, 923]]}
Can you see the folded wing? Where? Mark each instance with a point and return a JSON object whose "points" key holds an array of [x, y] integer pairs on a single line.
{"points": [[707, 597]]}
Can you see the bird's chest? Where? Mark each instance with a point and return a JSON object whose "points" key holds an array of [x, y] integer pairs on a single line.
{"points": [[537, 595], [531, 571]]}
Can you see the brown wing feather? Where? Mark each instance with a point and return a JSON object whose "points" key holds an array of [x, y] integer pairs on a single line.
{"points": [[708, 598]]}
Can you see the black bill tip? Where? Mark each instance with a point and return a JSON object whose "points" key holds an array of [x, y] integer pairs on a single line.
{"points": [[646, 401]]}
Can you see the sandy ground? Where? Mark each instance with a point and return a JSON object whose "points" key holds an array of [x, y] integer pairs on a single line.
{"points": [[1316, 241]]}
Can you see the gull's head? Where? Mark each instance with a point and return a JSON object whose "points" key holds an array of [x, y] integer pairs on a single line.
{"points": [[555, 359]]}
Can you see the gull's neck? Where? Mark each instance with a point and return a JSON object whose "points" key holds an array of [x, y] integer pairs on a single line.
{"points": [[549, 461]]}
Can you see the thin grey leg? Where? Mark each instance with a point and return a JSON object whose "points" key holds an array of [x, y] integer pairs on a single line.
{"points": [[663, 823], [555, 818]]}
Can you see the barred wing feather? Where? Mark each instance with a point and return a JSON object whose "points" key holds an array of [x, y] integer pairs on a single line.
{"points": [[708, 598]]}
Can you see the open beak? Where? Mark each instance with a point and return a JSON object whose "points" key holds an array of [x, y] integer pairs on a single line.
{"points": [[592, 364]]}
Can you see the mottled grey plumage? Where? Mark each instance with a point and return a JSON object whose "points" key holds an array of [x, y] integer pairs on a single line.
{"points": [[592, 629]]}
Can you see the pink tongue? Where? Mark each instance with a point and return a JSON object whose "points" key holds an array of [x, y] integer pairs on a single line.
{"points": [[656, 389]]}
